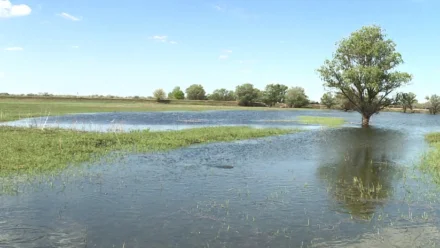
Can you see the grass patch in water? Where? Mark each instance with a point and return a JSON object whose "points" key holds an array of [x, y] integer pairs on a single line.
{"points": [[325, 121], [431, 160], [31, 150]]}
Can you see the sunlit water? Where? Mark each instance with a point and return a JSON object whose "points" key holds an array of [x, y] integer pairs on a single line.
{"points": [[343, 187]]}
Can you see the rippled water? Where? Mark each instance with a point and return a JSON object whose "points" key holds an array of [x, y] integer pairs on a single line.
{"points": [[343, 187]]}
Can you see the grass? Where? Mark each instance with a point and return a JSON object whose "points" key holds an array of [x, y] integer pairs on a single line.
{"points": [[31, 150], [18, 108], [431, 160], [325, 121]]}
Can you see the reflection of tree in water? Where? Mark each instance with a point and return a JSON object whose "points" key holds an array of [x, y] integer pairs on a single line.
{"points": [[359, 168]]}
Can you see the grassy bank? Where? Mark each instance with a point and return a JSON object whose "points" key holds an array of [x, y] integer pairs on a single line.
{"points": [[431, 160], [18, 108], [27, 150], [325, 121]]}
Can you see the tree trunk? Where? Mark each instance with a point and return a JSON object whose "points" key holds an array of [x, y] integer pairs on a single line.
{"points": [[404, 109], [365, 121]]}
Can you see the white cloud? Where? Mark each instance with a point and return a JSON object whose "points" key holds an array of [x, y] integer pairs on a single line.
{"points": [[70, 17], [14, 49], [219, 8], [7, 9], [223, 56], [75, 47], [163, 39]]}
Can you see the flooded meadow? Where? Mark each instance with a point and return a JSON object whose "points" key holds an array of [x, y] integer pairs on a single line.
{"points": [[340, 186]]}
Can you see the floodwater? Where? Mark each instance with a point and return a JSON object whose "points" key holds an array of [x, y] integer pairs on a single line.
{"points": [[335, 187]]}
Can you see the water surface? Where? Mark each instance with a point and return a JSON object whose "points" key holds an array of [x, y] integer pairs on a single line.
{"points": [[342, 187]]}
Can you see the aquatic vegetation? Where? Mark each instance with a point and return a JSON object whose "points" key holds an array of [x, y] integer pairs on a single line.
{"points": [[431, 160], [325, 121], [25, 150]]}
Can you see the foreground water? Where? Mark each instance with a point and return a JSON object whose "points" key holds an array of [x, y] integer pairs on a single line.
{"points": [[343, 187]]}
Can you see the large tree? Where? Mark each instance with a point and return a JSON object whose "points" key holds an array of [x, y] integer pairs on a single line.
{"points": [[363, 69], [274, 93], [407, 100], [222, 95], [195, 92], [177, 93], [296, 97], [247, 95]]}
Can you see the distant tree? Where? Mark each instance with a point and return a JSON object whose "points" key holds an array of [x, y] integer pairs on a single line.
{"points": [[343, 103], [222, 95], [433, 104], [363, 70], [407, 100], [195, 92], [328, 100], [247, 95], [274, 93], [159, 94], [296, 97], [177, 94]]}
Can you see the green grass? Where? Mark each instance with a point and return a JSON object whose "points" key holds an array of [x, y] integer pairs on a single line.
{"points": [[325, 121], [431, 160], [18, 108], [30, 150]]}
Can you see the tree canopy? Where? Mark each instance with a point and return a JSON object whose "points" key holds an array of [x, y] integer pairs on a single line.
{"points": [[407, 100], [433, 104], [246, 94], [363, 69], [328, 100], [222, 95], [274, 93], [296, 97], [195, 92], [177, 93], [159, 94]]}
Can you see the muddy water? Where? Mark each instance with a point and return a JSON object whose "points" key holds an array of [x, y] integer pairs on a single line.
{"points": [[344, 187]]}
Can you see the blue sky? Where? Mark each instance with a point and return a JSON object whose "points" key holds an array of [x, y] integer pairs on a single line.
{"points": [[134, 47]]}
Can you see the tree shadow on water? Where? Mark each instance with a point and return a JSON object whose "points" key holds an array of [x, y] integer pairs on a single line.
{"points": [[358, 168]]}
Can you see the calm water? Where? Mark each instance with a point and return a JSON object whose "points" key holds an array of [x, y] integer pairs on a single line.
{"points": [[344, 187]]}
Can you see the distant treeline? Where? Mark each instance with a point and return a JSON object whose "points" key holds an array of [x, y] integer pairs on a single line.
{"points": [[273, 95]]}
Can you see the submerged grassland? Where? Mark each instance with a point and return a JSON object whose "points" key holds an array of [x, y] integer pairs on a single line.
{"points": [[31, 150], [325, 121], [431, 160]]}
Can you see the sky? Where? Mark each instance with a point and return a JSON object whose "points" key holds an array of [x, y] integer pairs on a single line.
{"points": [[133, 47]]}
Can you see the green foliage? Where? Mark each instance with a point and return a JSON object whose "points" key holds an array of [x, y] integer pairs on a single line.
{"points": [[407, 100], [247, 95], [433, 104], [195, 92], [30, 150], [274, 93], [177, 94], [328, 100], [343, 103], [159, 94], [296, 97], [363, 70], [222, 95]]}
